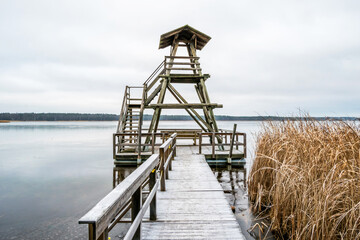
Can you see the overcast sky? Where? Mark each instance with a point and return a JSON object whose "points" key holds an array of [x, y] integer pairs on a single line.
{"points": [[265, 57]]}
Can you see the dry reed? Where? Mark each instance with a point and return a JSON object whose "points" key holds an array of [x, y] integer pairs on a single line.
{"points": [[306, 176]]}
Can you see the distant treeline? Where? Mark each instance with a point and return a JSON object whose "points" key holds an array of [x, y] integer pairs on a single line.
{"points": [[114, 117]]}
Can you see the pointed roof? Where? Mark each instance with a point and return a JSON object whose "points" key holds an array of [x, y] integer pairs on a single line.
{"points": [[184, 33]]}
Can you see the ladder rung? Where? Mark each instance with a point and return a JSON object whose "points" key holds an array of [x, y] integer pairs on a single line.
{"points": [[136, 99]]}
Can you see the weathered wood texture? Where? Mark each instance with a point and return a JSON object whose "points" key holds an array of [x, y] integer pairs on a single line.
{"points": [[103, 212], [193, 205]]}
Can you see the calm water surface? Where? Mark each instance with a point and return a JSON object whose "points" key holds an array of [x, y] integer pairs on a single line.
{"points": [[52, 173]]}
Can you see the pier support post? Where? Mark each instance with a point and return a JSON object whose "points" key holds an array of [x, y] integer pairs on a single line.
{"points": [[135, 209], [152, 183], [162, 172]]}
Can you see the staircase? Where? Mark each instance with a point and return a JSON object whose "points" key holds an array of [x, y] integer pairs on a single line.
{"points": [[130, 118]]}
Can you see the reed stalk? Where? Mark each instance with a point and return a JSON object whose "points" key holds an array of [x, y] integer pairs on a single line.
{"points": [[306, 177]]}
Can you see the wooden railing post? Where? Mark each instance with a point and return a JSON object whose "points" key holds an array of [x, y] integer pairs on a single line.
{"points": [[152, 182], [237, 141], [174, 148], [114, 146], [232, 141], [172, 156], [104, 235], [213, 145], [200, 142], [165, 159], [153, 143], [135, 209], [92, 232], [161, 167], [139, 148], [245, 148]]}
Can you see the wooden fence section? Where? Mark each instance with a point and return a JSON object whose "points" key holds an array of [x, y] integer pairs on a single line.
{"points": [[128, 195], [229, 140], [208, 143]]}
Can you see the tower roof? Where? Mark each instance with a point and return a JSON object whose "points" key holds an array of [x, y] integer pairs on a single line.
{"points": [[185, 34]]}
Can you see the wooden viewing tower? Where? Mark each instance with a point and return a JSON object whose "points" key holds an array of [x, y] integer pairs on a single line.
{"points": [[184, 200], [172, 71]]}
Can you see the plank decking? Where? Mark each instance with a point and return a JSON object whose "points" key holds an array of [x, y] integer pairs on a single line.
{"points": [[193, 205]]}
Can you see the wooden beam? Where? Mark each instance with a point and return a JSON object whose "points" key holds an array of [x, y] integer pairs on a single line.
{"points": [[153, 95], [187, 110], [181, 106], [178, 95]]}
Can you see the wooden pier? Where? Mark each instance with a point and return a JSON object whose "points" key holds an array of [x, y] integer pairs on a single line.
{"points": [[193, 206], [184, 201], [183, 198]]}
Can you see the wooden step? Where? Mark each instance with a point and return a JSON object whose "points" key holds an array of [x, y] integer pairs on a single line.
{"points": [[131, 106]]}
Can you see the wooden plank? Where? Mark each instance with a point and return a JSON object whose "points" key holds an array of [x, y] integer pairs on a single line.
{"points": [[193, 205]]}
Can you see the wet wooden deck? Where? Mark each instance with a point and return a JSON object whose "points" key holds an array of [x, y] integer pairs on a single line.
{"points": [[193, 205]]}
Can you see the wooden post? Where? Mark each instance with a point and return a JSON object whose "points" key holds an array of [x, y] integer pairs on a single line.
{"points": [[237, 142], [165, 159], [174, 148], [114, 177], [245, 148], [232, 141], [200, 142], [135, 209], [153, 143], [153, 202], [92, 231], [139, 149], [131, 124], [114, 146], [162, 173], [213, 145], [104, 235], [172, 157]]}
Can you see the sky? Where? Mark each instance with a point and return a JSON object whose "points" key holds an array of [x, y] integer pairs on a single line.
{"points": [[265, 57]]}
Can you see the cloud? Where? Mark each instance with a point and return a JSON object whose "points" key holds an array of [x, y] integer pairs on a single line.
{"points": [[265, 57]]}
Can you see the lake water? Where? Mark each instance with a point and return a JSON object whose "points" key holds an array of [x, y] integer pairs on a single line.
{"points": [[52, 173]]}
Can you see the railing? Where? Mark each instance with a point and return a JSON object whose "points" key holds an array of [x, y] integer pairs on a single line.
{"points": [[204, 139], [128, 194], [192, 65], [226, 141], [192, 134], [124, 108], [109, 211], [154, 77], [119, 146]]}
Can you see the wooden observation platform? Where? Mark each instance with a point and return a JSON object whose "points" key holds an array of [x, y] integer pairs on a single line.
{"points": [[132, 143], [173, 194]]}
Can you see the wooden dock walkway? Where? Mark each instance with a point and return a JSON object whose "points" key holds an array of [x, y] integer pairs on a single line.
{"points": [[184, 200], [193, 205]]}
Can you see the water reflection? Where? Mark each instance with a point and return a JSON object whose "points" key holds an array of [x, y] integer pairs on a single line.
{"points": [[234, 184], [120, 173], [52, 173]]}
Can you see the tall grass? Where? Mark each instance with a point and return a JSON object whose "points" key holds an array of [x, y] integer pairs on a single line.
{"points": [[306, 176]]}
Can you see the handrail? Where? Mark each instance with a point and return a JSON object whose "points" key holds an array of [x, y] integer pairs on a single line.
{"points": [[213, 135], [100, 217], [123, 110], [154, 73], [182, 57]]}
